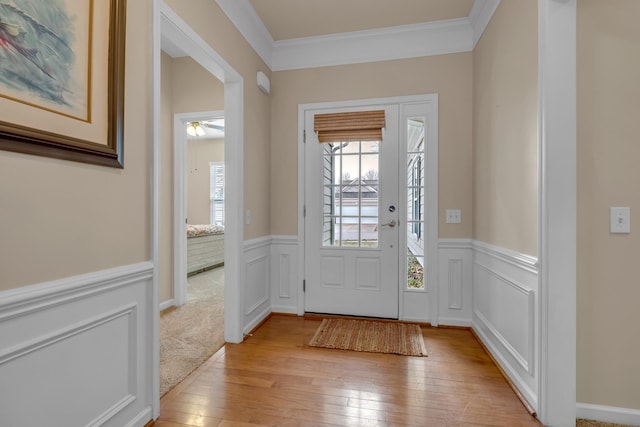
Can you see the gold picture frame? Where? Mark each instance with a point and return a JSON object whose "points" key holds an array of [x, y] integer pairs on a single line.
{"points": [[88, 131]]}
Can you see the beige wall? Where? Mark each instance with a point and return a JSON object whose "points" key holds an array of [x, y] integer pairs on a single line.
{"points": [[608, 175], [61, 218], [447, 75], [194, 88], [505, 120], [199, 154], [207, 19]]}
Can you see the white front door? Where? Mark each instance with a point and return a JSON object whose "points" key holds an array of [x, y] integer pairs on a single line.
{"points": [[352, 215]]}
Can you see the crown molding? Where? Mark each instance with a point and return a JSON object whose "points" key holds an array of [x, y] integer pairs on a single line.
{"points": [[401, 42], [481, 13], [247, 21], [406, 41]]}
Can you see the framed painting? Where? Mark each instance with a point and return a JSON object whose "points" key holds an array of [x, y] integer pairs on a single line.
{"points": [[62, 79]]}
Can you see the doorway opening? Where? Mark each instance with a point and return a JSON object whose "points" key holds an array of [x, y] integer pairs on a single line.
{"points": [[193, 329]]}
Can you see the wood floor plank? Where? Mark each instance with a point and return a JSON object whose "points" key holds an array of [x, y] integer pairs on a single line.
{"points": [[275, 379]]}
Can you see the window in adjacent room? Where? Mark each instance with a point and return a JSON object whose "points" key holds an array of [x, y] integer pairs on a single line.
{"points": [[216, 192]]}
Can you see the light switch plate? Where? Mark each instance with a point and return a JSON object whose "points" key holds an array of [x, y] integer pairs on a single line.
{"points": [[454, 216], [620, 220]]}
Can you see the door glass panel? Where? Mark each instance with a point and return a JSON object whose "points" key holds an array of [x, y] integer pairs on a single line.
{"points": [[350, 195], [415, 203]]}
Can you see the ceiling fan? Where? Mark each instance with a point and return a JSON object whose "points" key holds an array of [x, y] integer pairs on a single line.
{"points": [[197, 128]]}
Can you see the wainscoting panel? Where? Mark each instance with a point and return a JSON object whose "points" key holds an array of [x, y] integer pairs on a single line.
{"points": [[78, 351], [455, 290], [505, 287], [257, 292], [284, 274]]}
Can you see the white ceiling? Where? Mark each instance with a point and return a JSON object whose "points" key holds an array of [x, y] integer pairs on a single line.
{"points": [[288, 19]]}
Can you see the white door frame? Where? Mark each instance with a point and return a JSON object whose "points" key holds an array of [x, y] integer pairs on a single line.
{"points": [[557, 211], [431, 228], [180, 121], [166, 23]]}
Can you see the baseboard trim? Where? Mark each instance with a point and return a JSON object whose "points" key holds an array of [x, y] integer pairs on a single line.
{"points": [[455, 323], [514, 382], [257, 326], [513, 386], [283, 309], [258, 321], [143, 419], [608, 414], [167, 304]]}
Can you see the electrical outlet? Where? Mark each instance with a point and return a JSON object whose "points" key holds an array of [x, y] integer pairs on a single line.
{"points": [[454, 216], [620, 220]]}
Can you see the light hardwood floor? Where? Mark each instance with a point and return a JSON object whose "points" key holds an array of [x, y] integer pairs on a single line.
{"points": [[275, 379]]}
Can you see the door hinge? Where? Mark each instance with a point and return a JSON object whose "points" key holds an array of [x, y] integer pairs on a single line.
{"points": [[304, 211], [304, 136], [304, 286]]}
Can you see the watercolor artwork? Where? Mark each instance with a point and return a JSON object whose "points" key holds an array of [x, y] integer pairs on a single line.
{"points": [[45, 51]]}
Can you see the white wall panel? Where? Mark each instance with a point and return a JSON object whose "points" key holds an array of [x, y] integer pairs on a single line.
{"points": [[505, 286], [455, 282], [284, 274], [257, 292], [77, 351]]}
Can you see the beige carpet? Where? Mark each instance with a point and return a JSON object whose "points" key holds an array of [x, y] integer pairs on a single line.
{"points": [[364, 335], [190, 334]]}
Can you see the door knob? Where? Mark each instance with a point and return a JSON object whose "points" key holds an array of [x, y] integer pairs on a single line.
{"points": [[391, 224]]}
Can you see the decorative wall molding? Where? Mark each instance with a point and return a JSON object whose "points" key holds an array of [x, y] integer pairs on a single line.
{"points": [[481, 13], [455, 244], [258, 285], [608, 414], [455, 284], [247, 21], [77, 351], [391, 43], [257, 256], [515, 258], [455, 276], [284, 286], [24, 300], [505, 286], [284, 274], [259, 242]]}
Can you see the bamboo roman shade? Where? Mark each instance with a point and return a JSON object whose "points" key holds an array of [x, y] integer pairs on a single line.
{"points": [[355, 126]]}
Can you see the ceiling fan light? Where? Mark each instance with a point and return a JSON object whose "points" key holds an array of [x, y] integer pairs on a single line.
{"points": [[199, 131], [191, 129]]}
